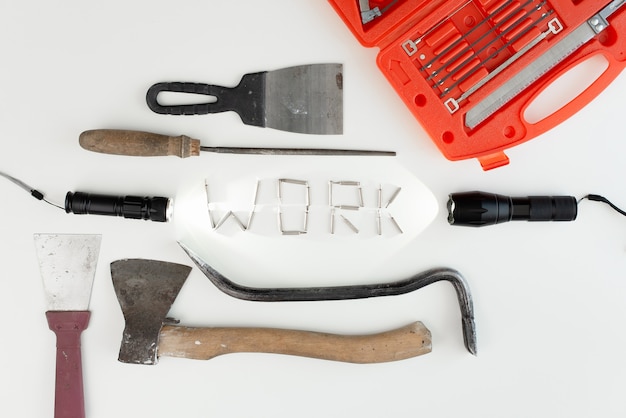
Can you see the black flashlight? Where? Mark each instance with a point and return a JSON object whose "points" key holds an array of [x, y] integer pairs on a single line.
{"points": [[481, 208], [156, 209]]}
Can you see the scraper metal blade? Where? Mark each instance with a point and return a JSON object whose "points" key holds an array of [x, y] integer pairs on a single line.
{"points": [[67, 264]]}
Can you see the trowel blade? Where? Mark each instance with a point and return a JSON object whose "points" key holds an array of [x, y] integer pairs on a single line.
{"points": [[67, 264], [305, 99]]}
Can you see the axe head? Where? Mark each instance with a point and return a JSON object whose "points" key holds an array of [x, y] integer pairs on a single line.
{"points": [[145, 290]]}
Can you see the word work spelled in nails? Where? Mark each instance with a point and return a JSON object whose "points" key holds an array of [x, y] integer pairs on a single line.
{"points": [[300, 207]]}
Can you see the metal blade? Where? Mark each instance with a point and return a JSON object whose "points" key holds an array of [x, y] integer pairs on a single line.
{"points": [[67, 264], [296, 151], [305, 99], [145, 290]]}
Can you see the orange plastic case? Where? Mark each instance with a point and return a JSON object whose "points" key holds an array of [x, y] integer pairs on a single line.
{"points": [[437, 50]]}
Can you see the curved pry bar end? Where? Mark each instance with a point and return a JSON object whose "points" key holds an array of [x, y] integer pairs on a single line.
{"points": [[465, 303], [469, 334]]}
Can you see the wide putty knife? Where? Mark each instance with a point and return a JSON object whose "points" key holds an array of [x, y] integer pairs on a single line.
{"points": [[305, 99], [68, 264]]}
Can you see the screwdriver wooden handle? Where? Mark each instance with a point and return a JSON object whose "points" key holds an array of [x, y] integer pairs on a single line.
{"points": [[205, 343], [138, 143]]}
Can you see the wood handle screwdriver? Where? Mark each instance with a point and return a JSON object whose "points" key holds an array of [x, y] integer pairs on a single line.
{"points": [[147, 144]]}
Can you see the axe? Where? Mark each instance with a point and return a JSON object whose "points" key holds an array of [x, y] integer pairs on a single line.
{"points": [[146, 289]]}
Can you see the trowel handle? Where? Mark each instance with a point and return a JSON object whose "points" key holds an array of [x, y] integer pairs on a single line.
{"points": [[247, 98], [68, 326], [138, 143], [205, 343], [222, 101]]}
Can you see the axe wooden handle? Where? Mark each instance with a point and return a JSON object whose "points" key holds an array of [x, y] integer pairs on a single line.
{"points": [[205, 343]]}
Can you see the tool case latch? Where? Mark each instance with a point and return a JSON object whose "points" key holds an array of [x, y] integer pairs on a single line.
{"points": [[495, 160]]}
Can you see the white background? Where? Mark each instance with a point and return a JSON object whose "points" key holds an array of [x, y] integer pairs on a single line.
{"points": [[549, 297]]}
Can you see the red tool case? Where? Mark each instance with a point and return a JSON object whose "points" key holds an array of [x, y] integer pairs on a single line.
{"points": [[443, 57]]}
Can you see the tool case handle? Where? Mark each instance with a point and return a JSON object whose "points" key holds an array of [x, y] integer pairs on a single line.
{"points": [[613, 69]]}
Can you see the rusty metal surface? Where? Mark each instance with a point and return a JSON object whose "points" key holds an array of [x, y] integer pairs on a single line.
{"points": [[145, 290]]}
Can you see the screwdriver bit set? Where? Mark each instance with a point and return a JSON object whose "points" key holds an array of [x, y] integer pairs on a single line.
{"points": [[469, 69]]}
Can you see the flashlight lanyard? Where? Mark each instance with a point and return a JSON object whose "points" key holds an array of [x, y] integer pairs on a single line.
{"points": [[33, 192], [478, 208], [156, 209], [598, 198]]}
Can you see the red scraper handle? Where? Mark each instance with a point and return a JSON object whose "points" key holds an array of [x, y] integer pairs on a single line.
{"points": [[68, 326]]}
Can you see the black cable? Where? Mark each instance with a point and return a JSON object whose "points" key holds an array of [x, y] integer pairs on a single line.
{"points": [[33, 192], [598, 198]]}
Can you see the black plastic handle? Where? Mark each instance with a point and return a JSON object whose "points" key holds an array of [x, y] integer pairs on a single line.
{"points": [[218, 92], [134, 207], [247, 98]]}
